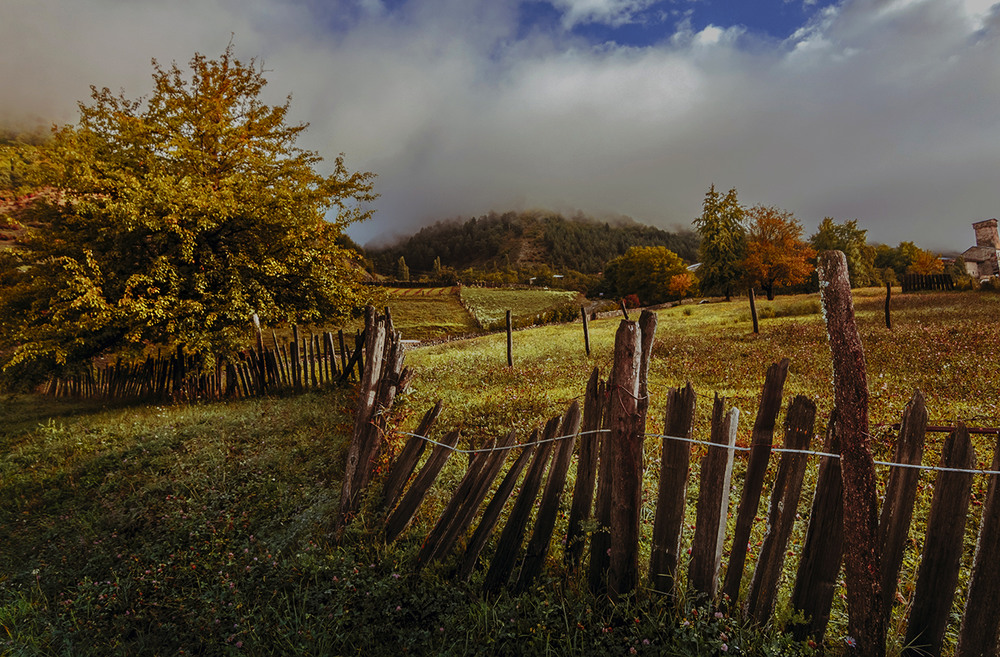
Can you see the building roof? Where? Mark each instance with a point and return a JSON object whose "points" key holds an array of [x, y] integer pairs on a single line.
{"points": [[979, 254]]}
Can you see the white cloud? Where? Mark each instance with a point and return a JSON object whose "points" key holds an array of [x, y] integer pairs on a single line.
{"points": [[610, 12], [888, 117]]}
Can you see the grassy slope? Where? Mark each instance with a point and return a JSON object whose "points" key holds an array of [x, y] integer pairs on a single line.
{"points": [[151, 530], [490, 305]]}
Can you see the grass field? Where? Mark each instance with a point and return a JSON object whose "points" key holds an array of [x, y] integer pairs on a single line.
{"points": [[490, 305], [436, 313], [204, 529]]}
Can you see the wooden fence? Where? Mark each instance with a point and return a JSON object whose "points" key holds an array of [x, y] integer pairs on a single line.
{"points": [[918, 282], [308, 361], [607, 436]]}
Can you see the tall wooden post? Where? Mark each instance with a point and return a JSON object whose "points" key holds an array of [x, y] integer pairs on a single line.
{"points": [[510, 342], [753, 310], [586, 330], [629, 401], [862, 563], [888, 298]]}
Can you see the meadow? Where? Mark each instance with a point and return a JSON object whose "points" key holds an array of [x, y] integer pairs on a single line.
{"points": [[205, 528]]}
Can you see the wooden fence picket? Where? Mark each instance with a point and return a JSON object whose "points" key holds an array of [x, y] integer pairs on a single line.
{"points": [[477, 466], [900, 496], [600, 539], [753, 483], [713, 502], [406, 460], [799, 421], [466, 513], [816, 578], [675, 460], [937, 577], [545, 520], [586, 467], [512, 535], [492, 514], [981, 620], [414, 495]]}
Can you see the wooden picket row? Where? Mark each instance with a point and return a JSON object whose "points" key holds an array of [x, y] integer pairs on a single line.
{"points": [[539, 468], [304, 363]]}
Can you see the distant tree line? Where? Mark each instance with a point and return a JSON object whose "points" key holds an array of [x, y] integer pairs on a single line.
{"points": [[763, 247], [518, 243]]}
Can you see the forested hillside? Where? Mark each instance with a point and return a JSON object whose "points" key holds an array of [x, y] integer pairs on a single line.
{"points": [[527, 239]]}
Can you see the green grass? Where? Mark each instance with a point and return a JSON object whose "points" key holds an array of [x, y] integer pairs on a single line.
{"points": [[490, 305], [206, 528]]}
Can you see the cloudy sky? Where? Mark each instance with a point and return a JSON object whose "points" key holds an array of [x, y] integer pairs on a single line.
{"points": [[885, 111]]}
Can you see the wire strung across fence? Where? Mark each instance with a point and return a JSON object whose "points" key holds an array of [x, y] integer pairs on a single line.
{"points": [[736, 448]]}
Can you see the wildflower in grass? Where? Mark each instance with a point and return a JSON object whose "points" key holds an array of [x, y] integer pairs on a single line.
{"points": [[724, 648]]}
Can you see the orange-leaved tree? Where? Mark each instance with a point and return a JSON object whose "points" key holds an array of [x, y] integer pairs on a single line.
{"points": [[776, 254]]}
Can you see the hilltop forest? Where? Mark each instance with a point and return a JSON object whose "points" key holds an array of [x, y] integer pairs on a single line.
{"points": [[526, 241]]}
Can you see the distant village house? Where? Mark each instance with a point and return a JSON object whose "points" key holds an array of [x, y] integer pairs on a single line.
{"points": [[981, 260]]}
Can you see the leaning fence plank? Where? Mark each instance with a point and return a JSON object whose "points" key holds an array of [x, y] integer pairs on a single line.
{"points": [[675, 462], [414, 495], [713, 502], [586, 468], [492, 514], [900, 495], [600, 539], [753, 483], [467, 512], [405, 463], [545, 521], [937, 577], [477, 467], [816, 579], [784, 503], [981, 622], [509, 544]]}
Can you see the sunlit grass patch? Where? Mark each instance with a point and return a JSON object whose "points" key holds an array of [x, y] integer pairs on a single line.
{"points": [[490, 305]]}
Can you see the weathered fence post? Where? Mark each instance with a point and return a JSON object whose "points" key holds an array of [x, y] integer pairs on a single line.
{"points": [[586, 330], [981, 621], [713, 502], [626, 461], [297, 377], [888, 298], [510, 342], [368, 390], [866, 623], [753, 310], [937, 577], [753, 482], [675, 459], [900, 495], [784, 502]]}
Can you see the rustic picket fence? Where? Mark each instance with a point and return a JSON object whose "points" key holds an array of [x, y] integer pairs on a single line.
{"points": [[607, 438], [918, 282], [308, 361]]}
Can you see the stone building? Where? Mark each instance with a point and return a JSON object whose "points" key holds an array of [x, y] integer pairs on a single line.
{"points": [[981, 260]]}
